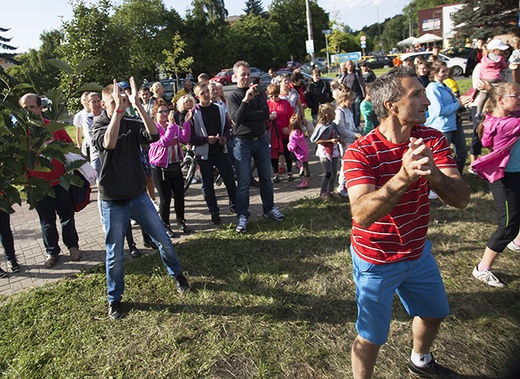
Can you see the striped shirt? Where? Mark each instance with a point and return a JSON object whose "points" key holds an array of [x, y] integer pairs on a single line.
{"points": [[401, 234]]}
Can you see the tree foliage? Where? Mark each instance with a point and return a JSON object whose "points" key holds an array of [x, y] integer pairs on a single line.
{"points": [[290, 15], [5, 45], [150, 27], [254, 7], [485, 19], [259, 41], [93, 33], [24, 144], [34, 67], [176, 62]]}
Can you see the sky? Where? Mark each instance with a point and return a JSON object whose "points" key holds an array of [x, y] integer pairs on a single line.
{"points": [[27, 19]]}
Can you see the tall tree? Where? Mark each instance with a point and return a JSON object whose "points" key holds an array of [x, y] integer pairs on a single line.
{"points": [[254, 7], [150, 27], [205, 33], [486, 18], [290, 15], [176, 62], [257, 41], [5, 45], [34, 67], [93, 34]]}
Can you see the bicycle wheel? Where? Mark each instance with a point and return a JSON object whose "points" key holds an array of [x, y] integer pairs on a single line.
{"points": [[188, 167]]}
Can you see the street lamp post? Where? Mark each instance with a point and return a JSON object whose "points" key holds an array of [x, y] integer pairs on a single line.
{"points": [[327, 33], [378, 26]]}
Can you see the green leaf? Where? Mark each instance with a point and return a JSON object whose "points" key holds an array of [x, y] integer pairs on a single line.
{"points": [[85, 64], [61, 64]]}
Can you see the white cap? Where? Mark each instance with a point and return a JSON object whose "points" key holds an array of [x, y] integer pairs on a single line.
{"points": [[497, 44]]}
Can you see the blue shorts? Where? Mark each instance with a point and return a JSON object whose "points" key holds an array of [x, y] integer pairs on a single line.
{"points": [[418, 284]]}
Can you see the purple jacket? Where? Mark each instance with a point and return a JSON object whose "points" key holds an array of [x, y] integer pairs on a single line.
{"points": [[298, 145], [173, 135]]}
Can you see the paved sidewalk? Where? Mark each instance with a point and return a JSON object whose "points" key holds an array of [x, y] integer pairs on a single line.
{"points": [[30, 251]]}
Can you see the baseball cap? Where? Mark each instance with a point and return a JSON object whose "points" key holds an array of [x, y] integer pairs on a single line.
{"points": [[497, 44]]}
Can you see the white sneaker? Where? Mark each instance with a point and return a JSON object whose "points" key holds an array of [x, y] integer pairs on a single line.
{"points": [[513, 247], [342, 191], [242, 224], [432, 195], [487, 277]]}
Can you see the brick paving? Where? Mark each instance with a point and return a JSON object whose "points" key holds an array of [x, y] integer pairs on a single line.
{"points": [[30, 251]]}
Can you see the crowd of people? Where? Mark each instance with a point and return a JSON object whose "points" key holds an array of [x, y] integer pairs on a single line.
{"points": [[410, 149]]}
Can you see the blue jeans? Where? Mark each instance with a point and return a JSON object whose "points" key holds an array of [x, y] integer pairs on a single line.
{"points": [[258, 149], [458, 139], [223, 164], [115, 217], [47, 209]]}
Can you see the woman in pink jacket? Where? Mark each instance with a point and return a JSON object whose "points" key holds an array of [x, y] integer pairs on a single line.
{"points": [[165, 157], [500, 132]]}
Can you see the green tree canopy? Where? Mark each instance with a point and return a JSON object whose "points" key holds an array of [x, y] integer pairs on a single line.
{"points": [[290, 15], [5, 45], [254, 7], [485, 18]]}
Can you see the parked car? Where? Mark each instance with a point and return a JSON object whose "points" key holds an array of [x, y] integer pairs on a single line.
{"points": [[379, 61], [458, 65], [308, 67], [461, 52], [256, 72], [290, 66], [224, 77]]}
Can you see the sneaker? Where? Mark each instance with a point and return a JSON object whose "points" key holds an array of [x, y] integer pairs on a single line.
{"points": [[242, 224], [254, 183], [114, 310], [432, 370], [233, 208], [134, 252], [75, 254], [183, 227], [182, 284], [50, 261], [275, 214], [432, 195], [290, 177], [276, 179], [3, 274], [335, 194], [14, 265], [215, 217], [487, 277], [342, 191], [324, 195], [513, 247]]}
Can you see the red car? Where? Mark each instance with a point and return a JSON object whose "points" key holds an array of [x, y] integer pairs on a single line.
{"points": [[223, 77]]}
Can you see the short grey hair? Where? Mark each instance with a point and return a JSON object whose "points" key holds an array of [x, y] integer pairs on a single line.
{"points": [[240, 64], [388, 87]]}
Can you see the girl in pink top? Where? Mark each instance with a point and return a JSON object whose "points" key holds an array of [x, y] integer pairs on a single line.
{"points": [[298, 146], [490, 66]]}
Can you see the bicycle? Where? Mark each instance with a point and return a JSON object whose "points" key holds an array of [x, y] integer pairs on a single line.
{"points": [[188, 168]]}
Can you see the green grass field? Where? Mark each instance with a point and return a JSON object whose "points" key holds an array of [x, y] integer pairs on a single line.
{"points": [[278, 302]]}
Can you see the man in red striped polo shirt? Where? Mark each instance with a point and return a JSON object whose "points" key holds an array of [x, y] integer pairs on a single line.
{"points": [[389, 174]]}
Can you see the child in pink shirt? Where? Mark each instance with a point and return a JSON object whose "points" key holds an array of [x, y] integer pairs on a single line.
{"points": [[298, 146]]}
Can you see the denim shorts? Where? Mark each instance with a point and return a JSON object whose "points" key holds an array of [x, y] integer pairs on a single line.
{"points": [[418, 284]]}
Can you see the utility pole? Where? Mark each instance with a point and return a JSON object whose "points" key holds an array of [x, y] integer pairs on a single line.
{"points": [[310, 40]]}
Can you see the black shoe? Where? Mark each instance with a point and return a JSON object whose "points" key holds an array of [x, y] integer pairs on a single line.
{"points": [[215, 217], [170, 232], [3, 274], [149, 244], [134, 252], [432, 370], [14, 265], [183, 227], [254, 183], [182, 284], [114, 310], [233, 208], [290, 177]]}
